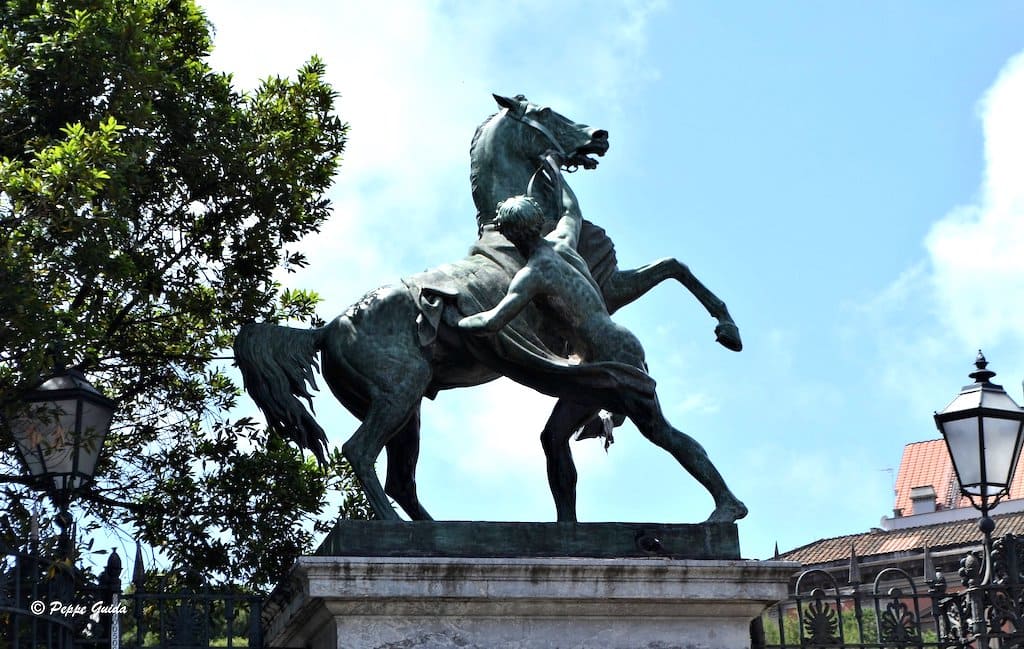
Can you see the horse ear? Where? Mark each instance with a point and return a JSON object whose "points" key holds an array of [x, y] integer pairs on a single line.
{"points": [[506, 102]]}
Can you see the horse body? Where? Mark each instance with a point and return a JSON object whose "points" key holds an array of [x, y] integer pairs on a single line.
{"points": [[374, 364], [396, 345]]}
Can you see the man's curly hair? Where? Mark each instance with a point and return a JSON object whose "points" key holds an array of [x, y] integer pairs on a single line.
{"points": [[519, 218]]}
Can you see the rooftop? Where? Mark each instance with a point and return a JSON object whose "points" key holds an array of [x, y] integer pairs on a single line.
{"points": [[928, 464], [880, 542], [926, 471]]}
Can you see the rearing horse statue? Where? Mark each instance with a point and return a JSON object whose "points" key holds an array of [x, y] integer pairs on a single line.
{"points": [[400, 343], [496, 175]]}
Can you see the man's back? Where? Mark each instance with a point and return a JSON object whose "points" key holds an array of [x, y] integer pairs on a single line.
{"points": [[551, 271]]}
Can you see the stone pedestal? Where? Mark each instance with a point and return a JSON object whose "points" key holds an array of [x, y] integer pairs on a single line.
{"points": [[544, 603]]}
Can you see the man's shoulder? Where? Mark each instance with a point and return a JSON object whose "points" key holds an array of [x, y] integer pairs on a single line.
{"points": [[549, 256], [531, 270], [539, 266]]}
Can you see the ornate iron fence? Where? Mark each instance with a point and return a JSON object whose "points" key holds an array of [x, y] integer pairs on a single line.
{"points": [[24, 580], [181, 609], [898, 611], [45, 603], [50, 604]]}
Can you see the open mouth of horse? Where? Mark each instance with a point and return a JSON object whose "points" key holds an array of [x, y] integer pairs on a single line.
{"points": [[583, 156]]}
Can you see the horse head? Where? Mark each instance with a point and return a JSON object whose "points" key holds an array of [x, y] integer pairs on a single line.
{"points": [[509, 150]]}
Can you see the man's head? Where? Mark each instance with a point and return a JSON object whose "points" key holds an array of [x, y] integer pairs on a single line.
{"points": [[520, 219]]}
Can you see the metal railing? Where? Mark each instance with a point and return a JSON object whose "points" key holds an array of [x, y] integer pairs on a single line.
{"points": [[898, 610], [50, 604], [46, 602], [181, 609]]}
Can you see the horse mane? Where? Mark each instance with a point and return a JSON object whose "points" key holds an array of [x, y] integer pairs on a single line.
{"points": [[473, 170], [479, 130]]}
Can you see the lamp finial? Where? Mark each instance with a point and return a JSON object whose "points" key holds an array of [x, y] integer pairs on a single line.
{"points": [[981, 375]]}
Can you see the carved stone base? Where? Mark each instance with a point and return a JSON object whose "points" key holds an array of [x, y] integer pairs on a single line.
{"points": [[535, 603]]}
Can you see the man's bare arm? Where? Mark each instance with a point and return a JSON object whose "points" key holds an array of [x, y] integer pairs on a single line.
{"points": [[523, 288], [567, 230]]}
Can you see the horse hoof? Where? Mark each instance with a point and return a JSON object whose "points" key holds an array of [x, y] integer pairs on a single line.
{"points": [[728, 335]]}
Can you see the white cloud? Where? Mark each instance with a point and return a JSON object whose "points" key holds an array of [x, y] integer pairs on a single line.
{"points": [[628, 46], [976, 251], [412, 96], [491, 441], [496, 429], [415, 80], [966, 292], [700, 402]]}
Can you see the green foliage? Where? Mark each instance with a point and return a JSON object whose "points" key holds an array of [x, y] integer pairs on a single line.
{"points": [[145, 206], [848, 619]]}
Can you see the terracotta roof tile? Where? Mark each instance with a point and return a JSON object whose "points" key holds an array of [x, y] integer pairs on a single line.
{"points": [[879, 542], [928, 463], [923, 464]]}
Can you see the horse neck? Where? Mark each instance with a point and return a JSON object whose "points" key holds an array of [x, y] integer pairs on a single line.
{"points": [[495, 178], [499, 170]]}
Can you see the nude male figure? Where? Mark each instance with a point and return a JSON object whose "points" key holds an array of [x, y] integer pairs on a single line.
{"points": [[556, 273]]}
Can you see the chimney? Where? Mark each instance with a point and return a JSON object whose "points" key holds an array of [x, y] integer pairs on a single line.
{"points": [[922, 499]]}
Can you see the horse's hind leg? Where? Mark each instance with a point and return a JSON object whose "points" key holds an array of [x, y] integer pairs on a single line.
{"points": [[565, 419], [392, 406], [375, 365], [382, 422], [625, 286], [403, 452]]}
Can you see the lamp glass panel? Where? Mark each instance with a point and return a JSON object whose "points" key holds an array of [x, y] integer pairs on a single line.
{"points": [[1000, 444], [48, 436], [95, 424], [964, 401], [59, 449], [962, 438], [998, 400], [28, 435], [59, 446]]}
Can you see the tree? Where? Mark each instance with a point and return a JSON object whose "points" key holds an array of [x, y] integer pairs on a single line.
{"points": [[145, 206]]}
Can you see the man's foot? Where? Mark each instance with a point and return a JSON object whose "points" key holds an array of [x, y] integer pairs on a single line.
{"points": [[728, 335], [728, 512]]}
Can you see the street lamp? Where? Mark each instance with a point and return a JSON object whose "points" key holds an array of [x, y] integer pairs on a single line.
{"points": [[59, 435], [982, 427]]}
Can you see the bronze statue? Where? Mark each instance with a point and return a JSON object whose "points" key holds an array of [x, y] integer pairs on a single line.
{"points": [[401, 343], [555, 273]]}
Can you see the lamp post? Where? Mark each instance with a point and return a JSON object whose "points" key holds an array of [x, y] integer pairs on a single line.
{"points": [[982, 428], [59, 435]]}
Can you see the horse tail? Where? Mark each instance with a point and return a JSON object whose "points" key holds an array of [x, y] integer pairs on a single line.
{"points": [[277, 363]]}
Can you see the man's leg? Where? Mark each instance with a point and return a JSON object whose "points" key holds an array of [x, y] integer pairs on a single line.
{"points": [[647, 416]]}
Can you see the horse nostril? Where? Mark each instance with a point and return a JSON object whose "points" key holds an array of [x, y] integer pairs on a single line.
{"points": [[600, 135]]}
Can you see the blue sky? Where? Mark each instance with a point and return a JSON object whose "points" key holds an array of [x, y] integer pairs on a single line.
{"points": [[848, 178]]}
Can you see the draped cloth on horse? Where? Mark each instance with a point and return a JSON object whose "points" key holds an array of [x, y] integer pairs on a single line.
{"points": [[524, 350], [597, 249]]}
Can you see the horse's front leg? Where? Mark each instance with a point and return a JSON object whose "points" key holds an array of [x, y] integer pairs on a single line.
{"points": [[625, 286]]}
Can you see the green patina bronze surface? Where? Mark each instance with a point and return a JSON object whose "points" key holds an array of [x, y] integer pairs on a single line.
{"points": [[403, 342], [531, 540]]}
